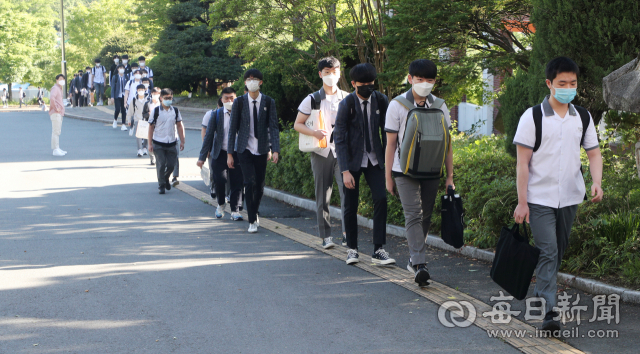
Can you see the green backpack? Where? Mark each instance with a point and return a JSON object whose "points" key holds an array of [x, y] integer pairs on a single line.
{"points": [[426, 139]]}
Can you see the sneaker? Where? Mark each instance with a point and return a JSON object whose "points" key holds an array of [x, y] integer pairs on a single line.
{"points": [[235, 216], [220, 211], [139, 153], [253, 228], [115, 124], [382, 257], [327, 243], [213, 195], [145, 152], [421, 275], [227, 199], [175, 181], [257, 220], [344, 239], [99, 103], [124, 128], [131, 132], [167, 185], [58, 152], [352, 256], [549, 324], [153, 163], [64, 152], [161, 190]]}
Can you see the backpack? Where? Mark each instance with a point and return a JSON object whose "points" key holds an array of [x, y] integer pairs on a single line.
{"points": [[426, 139], [146, 100], [156, 113]]}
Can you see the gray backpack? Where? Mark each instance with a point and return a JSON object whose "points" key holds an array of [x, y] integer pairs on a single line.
{"points": [[426, 139]]}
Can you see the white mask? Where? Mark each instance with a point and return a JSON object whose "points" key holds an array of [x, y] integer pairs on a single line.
{"points": [[155, 97], [228, 105], [145, 75], [146, 85], [137, 76], [88, 71], [423, 89], [140, 93], [116, 61], [125, 61], [252, 85], [97, 65], [121, 71], [141, 63], [61, 82], [331, 80]]}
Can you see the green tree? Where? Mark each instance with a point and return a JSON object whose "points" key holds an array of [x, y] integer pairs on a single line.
{"points": [[187, 52], [600, 36]]}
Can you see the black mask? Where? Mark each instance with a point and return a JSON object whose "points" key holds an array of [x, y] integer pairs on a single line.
{"points": [[366, 90]]}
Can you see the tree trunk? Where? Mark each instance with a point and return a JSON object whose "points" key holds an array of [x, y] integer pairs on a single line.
{"points": [[638, 157], [9, 89]]}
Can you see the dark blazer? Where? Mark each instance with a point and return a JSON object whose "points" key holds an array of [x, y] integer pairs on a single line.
{"points": [[115, 85], [348, 133], [214, 136], [267, 126], [85, 80], [77, 84]]}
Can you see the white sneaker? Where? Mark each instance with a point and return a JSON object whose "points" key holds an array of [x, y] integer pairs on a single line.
{"points": [[131, 132], [64, 152], [253, 228], [115, 124], [235, 216], [139, 153], [99, 103], [58, 152], [124, 128], [145, 151], [257, 221]]}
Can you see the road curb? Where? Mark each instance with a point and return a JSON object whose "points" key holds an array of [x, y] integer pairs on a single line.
{"points": [[100, 120], [587, 285]]}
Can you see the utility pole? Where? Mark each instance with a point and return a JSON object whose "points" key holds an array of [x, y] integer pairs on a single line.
{"points": [[64, 62]]}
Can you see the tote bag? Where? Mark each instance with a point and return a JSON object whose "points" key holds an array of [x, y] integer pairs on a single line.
{"points": [[142, 130]]}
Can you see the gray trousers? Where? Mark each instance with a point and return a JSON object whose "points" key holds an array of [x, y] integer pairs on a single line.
{"points": [[418, 196], [166, 157], [324, 169], [99, 91], [551, 228], [176, 170]]}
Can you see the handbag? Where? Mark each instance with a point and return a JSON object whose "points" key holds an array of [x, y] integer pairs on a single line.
{"points": [[452, 212], [142, 130], [205, 174], [308, 143], [514, 261]]}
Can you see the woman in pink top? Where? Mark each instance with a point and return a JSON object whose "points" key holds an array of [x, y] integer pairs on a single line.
{"points": [[56, 112]]}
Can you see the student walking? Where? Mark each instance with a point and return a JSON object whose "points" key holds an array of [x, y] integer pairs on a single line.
{"points": [[127, 66], [56, 112], [131, 86], [164, 123], [549, 179], [324, 163], [142, 64], [134, 114], [86, 84], [254, 121], [216, 146], [149, 106], [117, 96], [114, 67], [417, 195], [5, 98], [97, 80], [360, 144], [40, 97], [77, 89], [21, 96]]}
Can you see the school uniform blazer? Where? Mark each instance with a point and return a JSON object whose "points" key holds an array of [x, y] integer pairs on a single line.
{"points": [[267, 126], [77, 84], [214, 136], [115, 86], [348, 134]]}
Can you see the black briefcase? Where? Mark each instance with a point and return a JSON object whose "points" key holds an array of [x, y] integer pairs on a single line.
{"points": [[514, 261], [452, 212]]}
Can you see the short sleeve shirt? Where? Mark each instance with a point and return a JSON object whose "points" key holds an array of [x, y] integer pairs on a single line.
{"points": [[555, 179], [165, 127], [397, 120], [329, 108]]}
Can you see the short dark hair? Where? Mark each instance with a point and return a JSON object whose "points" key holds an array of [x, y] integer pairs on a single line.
{"points": [[364, 72], [116, 56], [120, 66], [423, 68], [141, 58], [156, 89], [57, 77], [96, 60], [166, 91], [228, 89], [143, 71], [220, 102], [135, 65], [88, 67], [141, 86], [125, 56], [253, 73], [561, 65], [145, 79], [328, 62]]}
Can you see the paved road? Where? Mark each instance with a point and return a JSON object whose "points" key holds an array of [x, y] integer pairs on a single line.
{"points": [[93, 260]]}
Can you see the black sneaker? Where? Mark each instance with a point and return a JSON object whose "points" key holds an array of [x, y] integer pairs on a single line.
{"points": [[352, 256], [161, 190], [422, 275], [344, 239], [549, 324], [382, 257], [175, 182], [327, 242], [167, 185]]}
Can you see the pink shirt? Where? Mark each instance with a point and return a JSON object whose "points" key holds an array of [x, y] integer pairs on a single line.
{"points": [[55, 100]]}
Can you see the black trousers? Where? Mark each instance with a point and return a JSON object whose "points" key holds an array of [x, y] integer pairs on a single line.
{"points": [[254, 170], [119, 102], [221, 174], [166, 157], [374, 176], [79, 99]]}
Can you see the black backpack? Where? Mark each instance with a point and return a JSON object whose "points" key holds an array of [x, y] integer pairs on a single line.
{"points": [[156, 113]]}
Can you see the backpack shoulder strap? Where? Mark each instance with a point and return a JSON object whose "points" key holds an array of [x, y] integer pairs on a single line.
{"points": [[437, 103], [404, 102], [156, 113], [176, 111], [315, 100], [537, 121], [586, 120]]}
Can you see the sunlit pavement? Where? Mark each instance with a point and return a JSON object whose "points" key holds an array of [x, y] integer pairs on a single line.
{"points": [[94, 260]]}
